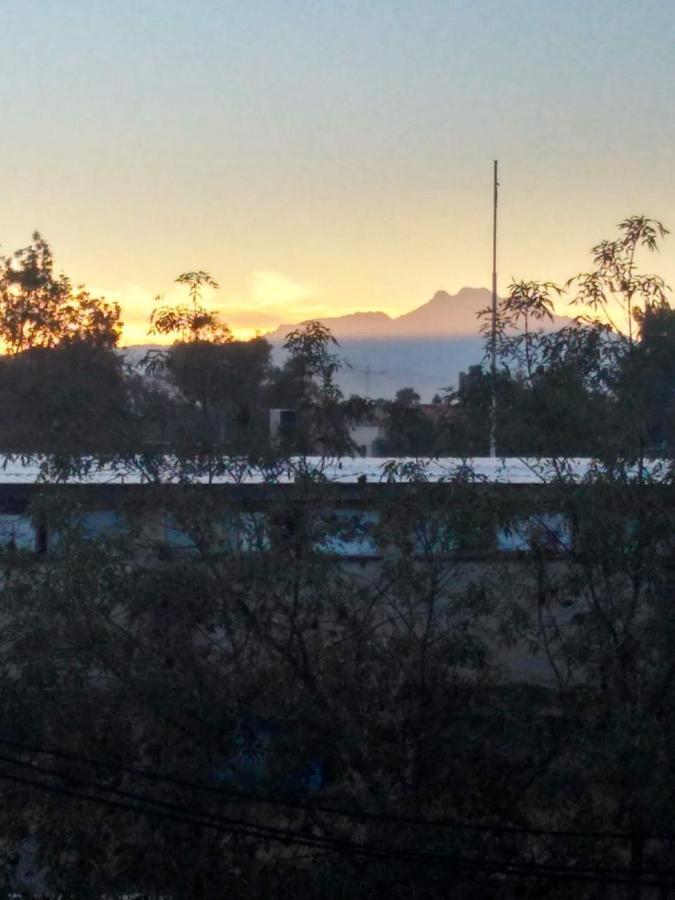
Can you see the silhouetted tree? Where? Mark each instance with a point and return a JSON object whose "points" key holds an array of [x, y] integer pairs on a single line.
{"points": [[656, 361], [408, 430], [40, 309], [575, 390], [66, 399], [220, 380], [193, 322], [61, 382], [306, 383], [223, 382]]}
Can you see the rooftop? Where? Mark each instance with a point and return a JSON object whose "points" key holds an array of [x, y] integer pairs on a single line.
{"points": [[346, 470]]}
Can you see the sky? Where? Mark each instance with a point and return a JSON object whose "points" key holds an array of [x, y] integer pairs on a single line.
{"points": [[319, 157]]}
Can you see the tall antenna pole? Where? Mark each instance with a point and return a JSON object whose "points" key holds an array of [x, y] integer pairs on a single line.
{"points": [[493, 329]]}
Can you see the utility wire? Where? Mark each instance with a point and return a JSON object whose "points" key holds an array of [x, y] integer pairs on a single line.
{"points": [[528, 870], [175, 812], [331, 810]]}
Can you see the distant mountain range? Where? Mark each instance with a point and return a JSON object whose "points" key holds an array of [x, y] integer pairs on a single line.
{"points": [[446, 314], [425, 349]]}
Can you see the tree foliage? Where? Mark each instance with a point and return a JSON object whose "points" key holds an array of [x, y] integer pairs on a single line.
{"points": [[40, 309], [427, 648], [307, 384], [531, 689], [191, 322], [583, 387], [67, 399]]}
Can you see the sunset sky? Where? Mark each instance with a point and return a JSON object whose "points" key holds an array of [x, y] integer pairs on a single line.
{"points": [[326, 156]]}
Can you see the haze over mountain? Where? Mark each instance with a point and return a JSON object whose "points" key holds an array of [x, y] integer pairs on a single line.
{"points": [[446, 314], [425, 348]]}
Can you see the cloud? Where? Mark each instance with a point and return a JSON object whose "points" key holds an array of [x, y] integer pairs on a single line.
{"points": [[273, 289], [272, 299], [137, 305]]}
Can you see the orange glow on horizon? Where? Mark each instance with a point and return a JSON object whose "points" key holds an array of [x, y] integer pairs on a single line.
{"points": [[135, 330]]}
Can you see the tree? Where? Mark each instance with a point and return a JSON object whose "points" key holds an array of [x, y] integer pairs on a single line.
{"points": [[311, 361], [498, 656], [650, 374], [39, 309], [72, 398], [219, 379], [249, 655], [594, 603], [61, 382], [614, 282], [194, 322], [240, 659], [223, 383], [307, 384], [408, 430], [572, 390]]}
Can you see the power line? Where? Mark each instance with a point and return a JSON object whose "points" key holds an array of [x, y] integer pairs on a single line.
{"points": [[247, 829], [330, 810]]}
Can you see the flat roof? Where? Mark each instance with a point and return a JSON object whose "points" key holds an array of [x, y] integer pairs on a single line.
{"points": [[345, 470]]}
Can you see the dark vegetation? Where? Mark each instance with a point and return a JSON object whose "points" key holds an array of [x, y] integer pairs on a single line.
{"points": [[522, 702], [587, 389]]}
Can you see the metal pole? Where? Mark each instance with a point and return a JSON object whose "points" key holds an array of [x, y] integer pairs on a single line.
{"points": [[493, 330]]}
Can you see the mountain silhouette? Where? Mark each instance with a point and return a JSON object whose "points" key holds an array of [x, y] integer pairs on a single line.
{"points": [[451, 315], [425, 348], [444, 314]]}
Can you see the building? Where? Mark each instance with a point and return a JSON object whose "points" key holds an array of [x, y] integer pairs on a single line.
{"points": [[365, 434], [501, 524], [352, 488]]}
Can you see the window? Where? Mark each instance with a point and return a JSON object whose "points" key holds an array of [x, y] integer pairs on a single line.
{"points": [[349, 532], [550, 531], [102, 523], [177, 539], [247, 533], [94, 523], [17, 533], [237, 533]]}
